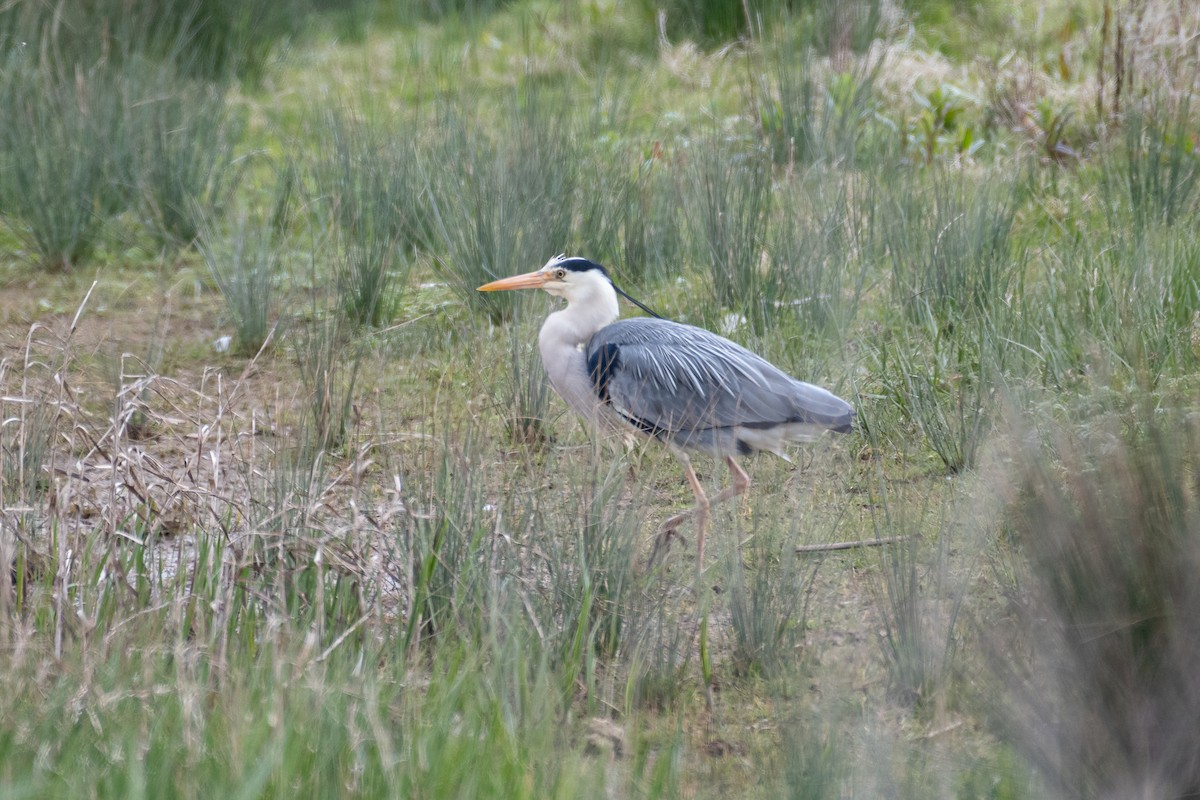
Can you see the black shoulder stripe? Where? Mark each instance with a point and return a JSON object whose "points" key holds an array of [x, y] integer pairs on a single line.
{"points": [[648, 428], [840, 424], [602, 366]]}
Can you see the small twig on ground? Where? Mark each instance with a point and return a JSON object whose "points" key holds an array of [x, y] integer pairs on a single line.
{"points": [[824, 548], [942, 730]]}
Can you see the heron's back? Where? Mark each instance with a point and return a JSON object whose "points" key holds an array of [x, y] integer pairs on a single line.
{"points": [[696, 390]]}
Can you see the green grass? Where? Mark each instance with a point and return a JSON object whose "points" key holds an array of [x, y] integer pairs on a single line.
{"points": [[242, 256], [186, 159], [770, 587], [807, 112], [505, 190], [380, 558], [371, 189], [206, 39], [67, 155], [731, 190]]}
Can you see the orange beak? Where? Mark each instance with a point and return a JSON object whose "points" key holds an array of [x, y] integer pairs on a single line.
{"points": [[530, 280]]}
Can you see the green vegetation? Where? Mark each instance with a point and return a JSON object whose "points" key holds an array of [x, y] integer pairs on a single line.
{"points": [[287, 506]]}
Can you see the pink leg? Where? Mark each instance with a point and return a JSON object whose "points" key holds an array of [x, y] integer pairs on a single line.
{"points": [[740, 484]]}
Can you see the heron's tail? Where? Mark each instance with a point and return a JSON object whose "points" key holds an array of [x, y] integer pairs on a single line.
{"points": [[818, 407]]}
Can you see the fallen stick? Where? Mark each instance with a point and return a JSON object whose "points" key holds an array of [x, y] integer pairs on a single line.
{"points": [[824, 548]]}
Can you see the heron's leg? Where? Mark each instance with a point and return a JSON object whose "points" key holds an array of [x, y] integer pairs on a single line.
{"points": [[700, 512], [667, 529], [702, 502], [740, 484]]}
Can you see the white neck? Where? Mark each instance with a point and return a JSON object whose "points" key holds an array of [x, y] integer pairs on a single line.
{"points": [[590, 306]]}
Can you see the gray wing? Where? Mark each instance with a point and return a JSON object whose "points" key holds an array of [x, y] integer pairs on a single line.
{"points": [[668, 379]]}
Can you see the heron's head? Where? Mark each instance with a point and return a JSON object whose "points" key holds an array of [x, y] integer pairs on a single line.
{"points": [[575, 279]]}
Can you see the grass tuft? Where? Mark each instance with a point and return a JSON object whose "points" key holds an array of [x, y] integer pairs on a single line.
{"points": [[810, 115], [505, 198], [528, 390], [1104, 694], [243, 257], [367, 176], [815, 250], [1155, 173], [444, 549], [68, 159], [949, 241], [769, 588], [815, 765], [185, 157], [328, 361], [27, 435], [602, 595], [730, 207], [946, 384]]}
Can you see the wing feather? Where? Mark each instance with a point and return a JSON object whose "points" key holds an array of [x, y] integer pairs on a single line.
{"points": [[669, 378]]}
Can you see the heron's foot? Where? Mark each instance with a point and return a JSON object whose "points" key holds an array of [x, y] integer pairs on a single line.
{"points": [[667, 535], [669, 526], [662, 542]]}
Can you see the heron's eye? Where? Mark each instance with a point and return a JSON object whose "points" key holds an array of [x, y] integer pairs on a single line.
{"points": [[560, 274]]}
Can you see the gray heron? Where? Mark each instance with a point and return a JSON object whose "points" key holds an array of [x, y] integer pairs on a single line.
{"points": [[689, 388]]}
